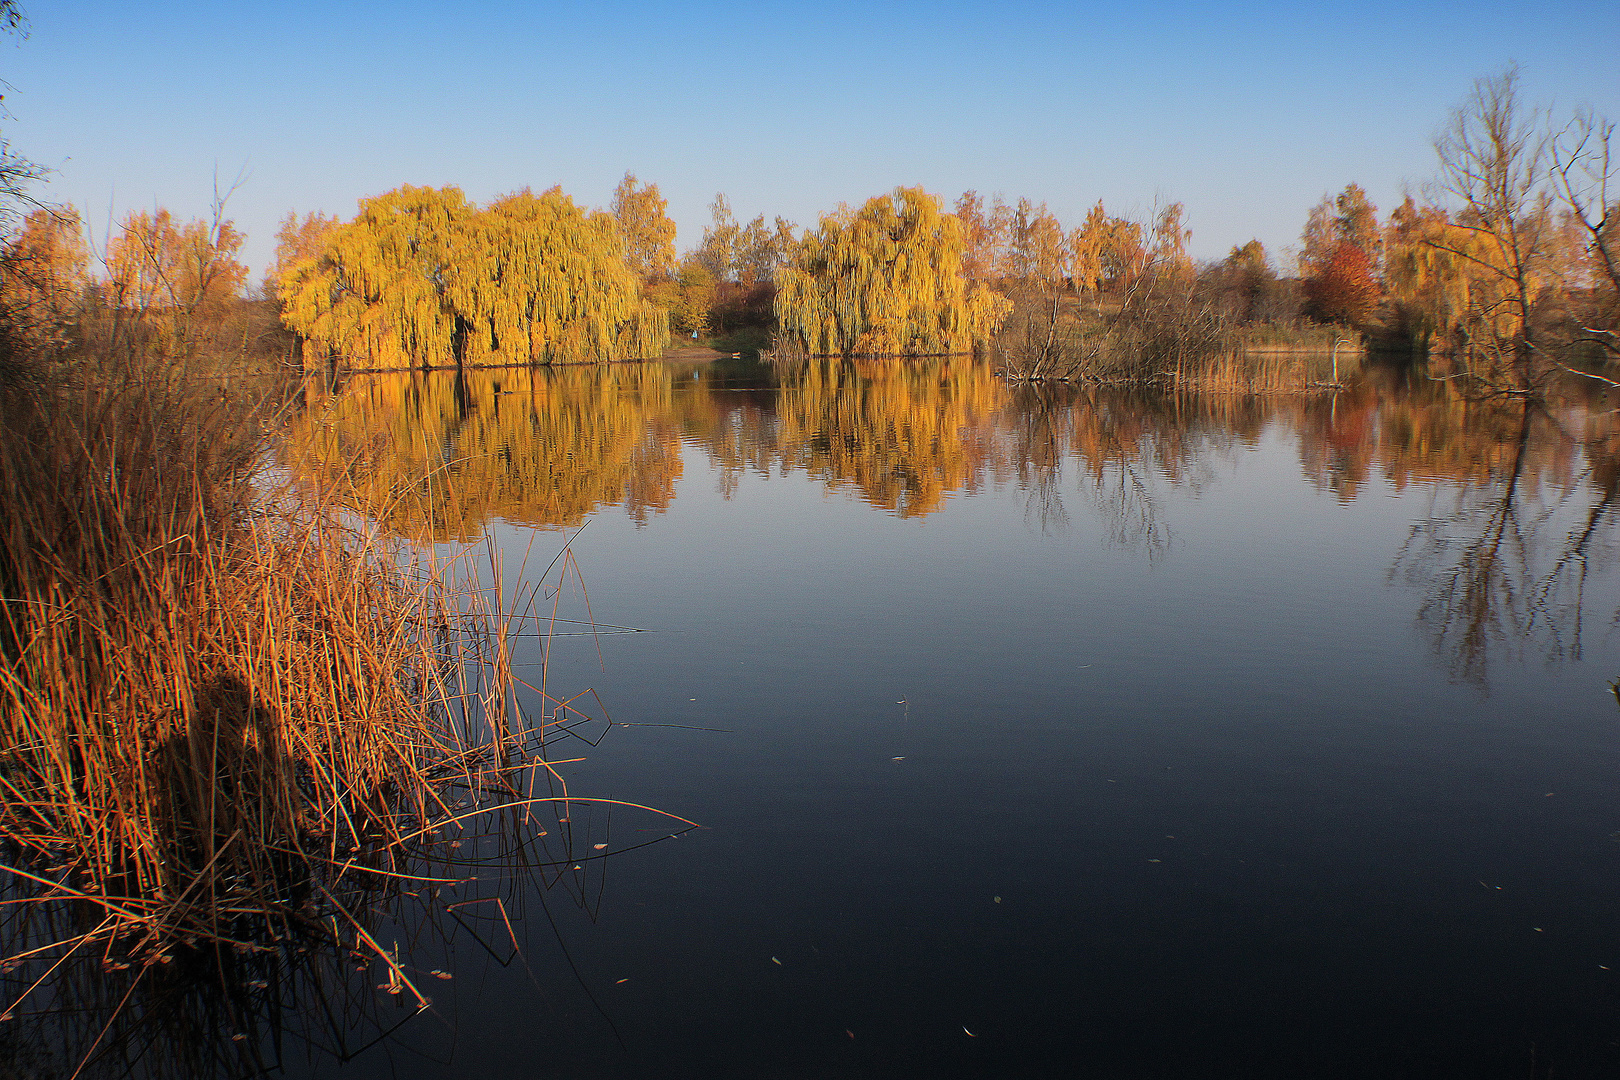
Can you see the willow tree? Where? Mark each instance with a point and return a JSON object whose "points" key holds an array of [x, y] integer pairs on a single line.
{"points": [[421, 278], [886, 279], [376, 295]]}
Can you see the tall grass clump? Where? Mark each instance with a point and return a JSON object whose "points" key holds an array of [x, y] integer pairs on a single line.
{"points": [[222, 707]]}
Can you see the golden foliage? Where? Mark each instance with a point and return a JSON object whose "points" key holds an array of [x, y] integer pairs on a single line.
{"points": [[434, 456], [644, 224], [1106, 252], [1458, 278], [153, 264], [42, 278], [422, 278], [299, 241], [905, 435], [689, 296], [745, 254], [885, 280]]}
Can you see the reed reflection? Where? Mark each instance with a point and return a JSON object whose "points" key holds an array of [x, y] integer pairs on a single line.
{"points": [[315, 992]]}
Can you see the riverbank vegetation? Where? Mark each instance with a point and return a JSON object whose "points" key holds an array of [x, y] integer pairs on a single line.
{"points": [[232, 719], [1501, 273]]}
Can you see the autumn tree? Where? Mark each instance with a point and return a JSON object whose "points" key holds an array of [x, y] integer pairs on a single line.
{"points": [[1343, 289], [1169, 243], [718, 248], [42, 279], [1493, 163], [43, 274], [172, 282], [1245, 283], [743, 254], [885, 279], [299, 241], [1347, 218], [422, 278], [984, 235], [1583, 169], [375, 297], [692, 301], [1037, 249], [1108, 252], [1430, 285], [644, 225], [761, 249], [156, 263], [1340, 249]]}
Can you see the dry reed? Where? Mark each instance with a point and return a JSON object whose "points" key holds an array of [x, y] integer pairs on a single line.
{"points": [[226, 713]]}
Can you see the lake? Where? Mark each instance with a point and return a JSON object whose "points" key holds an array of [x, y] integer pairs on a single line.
{"points": [[1031, 730]]}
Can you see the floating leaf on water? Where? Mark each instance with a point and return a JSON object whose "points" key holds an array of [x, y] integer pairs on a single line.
{"points": [[598, 847], [775, 961], [997, 899], [621, 980]]}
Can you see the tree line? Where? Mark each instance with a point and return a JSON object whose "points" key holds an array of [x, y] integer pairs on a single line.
{"points": [[1504, 266]]}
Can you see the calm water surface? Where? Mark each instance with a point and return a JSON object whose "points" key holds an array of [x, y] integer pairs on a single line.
{"points": [[1039, 731]]}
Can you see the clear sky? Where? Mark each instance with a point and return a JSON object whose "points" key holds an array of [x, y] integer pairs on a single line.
{"points": [[1247, 113]]}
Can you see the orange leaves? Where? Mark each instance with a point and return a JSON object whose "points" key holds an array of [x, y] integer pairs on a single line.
{"points": [[1345, 290]]}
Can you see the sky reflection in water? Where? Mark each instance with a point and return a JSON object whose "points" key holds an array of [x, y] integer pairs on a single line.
{"points": [[1164, 736]]}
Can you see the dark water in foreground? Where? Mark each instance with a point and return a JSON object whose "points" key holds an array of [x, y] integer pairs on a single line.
{"points": [[1042, 733]]}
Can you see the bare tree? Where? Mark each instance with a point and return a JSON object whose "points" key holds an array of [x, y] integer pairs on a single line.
{"points": [[16, 173], [1493, 160], [1583, 172]]}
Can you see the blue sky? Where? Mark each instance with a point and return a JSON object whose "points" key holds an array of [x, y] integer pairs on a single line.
{"points": [[1246, 113]]}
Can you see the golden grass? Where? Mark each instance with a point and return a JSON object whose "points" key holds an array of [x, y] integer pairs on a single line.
{"points": [[226, 712]]}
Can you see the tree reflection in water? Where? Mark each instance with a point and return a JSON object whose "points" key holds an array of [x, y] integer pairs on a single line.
{"points": [[1504, 569], [1520, 524], [434, 456]]}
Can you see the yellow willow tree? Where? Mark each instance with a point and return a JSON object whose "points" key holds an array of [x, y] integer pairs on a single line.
{"points": [[1450, 279], [539, 280], [375, 296], [886, 279], [422, 278]]}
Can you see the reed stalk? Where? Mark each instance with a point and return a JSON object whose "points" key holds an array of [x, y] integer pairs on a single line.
{"points": [[226, 710]]}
